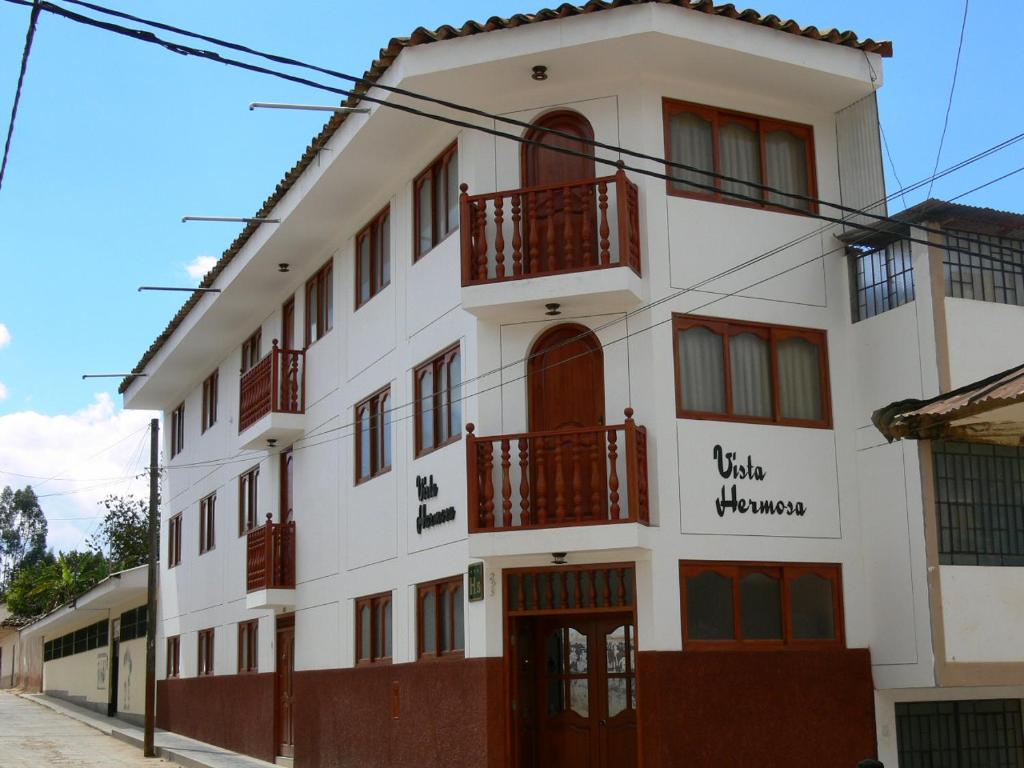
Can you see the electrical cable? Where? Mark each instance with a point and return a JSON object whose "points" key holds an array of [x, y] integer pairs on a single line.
{"points": [[952, 88], [29, 37]]}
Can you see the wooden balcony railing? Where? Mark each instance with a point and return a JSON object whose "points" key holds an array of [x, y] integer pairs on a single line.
{"points": [[546, 479], [270, 561], [550, 230], [276, 384]]}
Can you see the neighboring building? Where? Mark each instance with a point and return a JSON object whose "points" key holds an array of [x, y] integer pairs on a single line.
{"points": [[942, 324], [403, 520], [93, 649], [10, 646]]}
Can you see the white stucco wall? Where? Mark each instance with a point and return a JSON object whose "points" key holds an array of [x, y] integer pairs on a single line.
{"points": [[983, 612]]}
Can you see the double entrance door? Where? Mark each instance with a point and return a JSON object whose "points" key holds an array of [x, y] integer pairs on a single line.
{"points": [[576, 691]]}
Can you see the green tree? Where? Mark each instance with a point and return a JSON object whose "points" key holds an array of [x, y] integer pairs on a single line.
{"points": [[122, 536], [53, 581], [22, 532]]}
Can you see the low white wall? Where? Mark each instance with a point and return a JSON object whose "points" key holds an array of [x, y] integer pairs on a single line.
{"points": [[83, 677], [974, 330], [982, 612], [8, 652]]}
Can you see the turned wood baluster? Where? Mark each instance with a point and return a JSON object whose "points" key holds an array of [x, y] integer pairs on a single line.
{"points": [[552, 262], [622, 587], [522, 592], [606, 591], [506, 487], [550, 583], [577, 589], [577, 478], [517, 237], [524, 482], [594, 447], [613, 475], [481, 240], [585, 581], [533, 229], [559, 484], [567, 237], [487, 471], [602, 230], [587, 259], [541, 486], [499, 238]]}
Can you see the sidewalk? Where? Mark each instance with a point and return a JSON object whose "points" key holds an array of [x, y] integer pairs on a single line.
{"points": [[172, 747]]}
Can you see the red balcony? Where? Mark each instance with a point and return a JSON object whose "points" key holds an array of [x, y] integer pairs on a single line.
{"points": [[590, 476], [275, 385], [270, 557], [541, 231]]}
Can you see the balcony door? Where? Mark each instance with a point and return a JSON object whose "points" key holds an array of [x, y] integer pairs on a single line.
{"points": [[561, 219], [565, 381], [287, 486]]}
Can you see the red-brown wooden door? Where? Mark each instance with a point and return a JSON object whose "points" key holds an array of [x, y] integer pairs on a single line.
{"points": [[585, 710], [565, 380], [284, 704], [288, 324], [564, 216]]}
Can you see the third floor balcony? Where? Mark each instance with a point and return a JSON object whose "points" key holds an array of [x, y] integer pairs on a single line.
{"points": [[271, 399], [575, 243]]}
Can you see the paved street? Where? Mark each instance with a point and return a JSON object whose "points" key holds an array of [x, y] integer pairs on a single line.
{"points": [[33, 736]]}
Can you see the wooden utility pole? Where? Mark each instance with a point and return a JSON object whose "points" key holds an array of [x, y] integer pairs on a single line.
{"points": [[154, 527]]}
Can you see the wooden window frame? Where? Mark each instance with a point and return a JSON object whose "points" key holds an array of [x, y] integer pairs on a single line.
{"points": [[174, 540], [209, 415], [434, 365], [208, 523], [378, 403], [774, 334], [377, 256], [763, 125], [251, 350], [248, 638], [374, 602], [178, 430], [438, 587], [438, 168], [320, 285], [173, 660], [205, 651], [248, 500], [786, 573]]}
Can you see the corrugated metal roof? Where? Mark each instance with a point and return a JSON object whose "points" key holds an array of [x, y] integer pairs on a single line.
{"points": [[422, 36]]}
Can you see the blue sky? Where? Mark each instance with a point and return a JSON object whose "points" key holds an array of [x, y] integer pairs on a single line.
{"points": [[116, 140]]}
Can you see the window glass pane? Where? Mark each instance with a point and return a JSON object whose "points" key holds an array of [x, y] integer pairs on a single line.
{"points": [[810, 598], [709, 614], [799, 379], [446, 620], [427, 408], [452, 171], [615, 646], [385, 436], [364, 631], [690, 136], [364, 441], [384, 251], [702, 370], [751, 368], [616, 695], [460, 629], [428, 613], [579, 697], [760, 609], [455, 377], [740, 150], [443, 393], [786, 162], [364, 268], [424, 205]]}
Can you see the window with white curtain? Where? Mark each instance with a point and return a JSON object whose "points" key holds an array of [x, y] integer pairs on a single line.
{"points": [[751, 372], [754, 152]]}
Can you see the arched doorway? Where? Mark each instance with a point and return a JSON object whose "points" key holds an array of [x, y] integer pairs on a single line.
{"points": [[561, 215]]}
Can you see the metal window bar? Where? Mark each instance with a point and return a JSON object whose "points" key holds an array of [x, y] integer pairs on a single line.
{"points": [[881, 279], [984, 268], [960, 734], [979, 492]]}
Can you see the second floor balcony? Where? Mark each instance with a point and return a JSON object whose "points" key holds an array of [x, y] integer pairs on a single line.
{"points": [[575, 243], [271, 399], [270, 565]]}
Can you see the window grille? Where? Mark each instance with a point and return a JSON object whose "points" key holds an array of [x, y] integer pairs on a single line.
{"points": [[984, 267], [960, 734], [881, 279], [979, 491]]}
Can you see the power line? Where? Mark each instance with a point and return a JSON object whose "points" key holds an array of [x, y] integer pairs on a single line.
{"points": [[29, 36], [952, 88], [149, 37]]}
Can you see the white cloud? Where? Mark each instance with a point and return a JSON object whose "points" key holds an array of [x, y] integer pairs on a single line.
{"points": [[71, 446], [3, 391], [199, 266], [5, 336]]}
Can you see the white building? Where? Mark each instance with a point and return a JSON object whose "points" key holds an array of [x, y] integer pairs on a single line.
{"points": [[469, 556]]}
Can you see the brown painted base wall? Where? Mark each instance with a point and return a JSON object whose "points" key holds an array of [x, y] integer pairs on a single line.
{"points": [[451, 714], [232, 711], [798, 709]]}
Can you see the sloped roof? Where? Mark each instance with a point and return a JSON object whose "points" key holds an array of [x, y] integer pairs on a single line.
{"points": [[990, 410], [422, 36]]}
